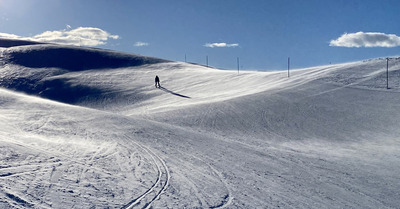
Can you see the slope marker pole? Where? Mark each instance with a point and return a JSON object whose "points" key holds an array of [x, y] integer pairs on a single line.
{"points": [[238, 65], [387, 73], [288, 67]]}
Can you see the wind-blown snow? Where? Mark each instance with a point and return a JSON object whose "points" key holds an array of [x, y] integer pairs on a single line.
{"points": [[100, 134]]}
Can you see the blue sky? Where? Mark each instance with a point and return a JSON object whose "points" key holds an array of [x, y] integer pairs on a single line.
{"points": [[262, 33]]}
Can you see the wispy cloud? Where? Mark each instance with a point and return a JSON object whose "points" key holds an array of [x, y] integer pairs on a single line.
{"points": [[212, 45], [82, 36], [139, 44], [366, 39]]}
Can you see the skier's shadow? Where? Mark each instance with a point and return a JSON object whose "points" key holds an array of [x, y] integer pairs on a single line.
{"points": [[171, 92]]}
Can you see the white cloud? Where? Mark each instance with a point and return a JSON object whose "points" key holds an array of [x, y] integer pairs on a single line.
{"points": [[82, 36], [220, 45], [369, 39], [138, 44]]}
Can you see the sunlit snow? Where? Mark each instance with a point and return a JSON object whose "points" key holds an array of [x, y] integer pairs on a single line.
{"points": [[86, 128]]}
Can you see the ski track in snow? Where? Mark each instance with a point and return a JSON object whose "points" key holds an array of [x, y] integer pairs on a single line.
{"points": [[229, 197], [226, 200], [146, 199]]}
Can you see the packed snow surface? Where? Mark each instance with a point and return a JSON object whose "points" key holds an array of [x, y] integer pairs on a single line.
{"points": [[86, 128]]}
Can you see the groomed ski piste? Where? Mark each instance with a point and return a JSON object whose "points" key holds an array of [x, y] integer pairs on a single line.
{"points": [[86, 128]]}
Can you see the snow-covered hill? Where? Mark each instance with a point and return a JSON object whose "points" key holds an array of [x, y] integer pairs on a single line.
{"points": [[82, 128]]}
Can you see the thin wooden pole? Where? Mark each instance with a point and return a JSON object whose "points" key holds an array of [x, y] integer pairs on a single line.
{"points": [[238, 65], [387, 73], [288, 67]]}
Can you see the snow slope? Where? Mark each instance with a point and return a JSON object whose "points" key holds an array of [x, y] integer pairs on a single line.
{"points": [[98, 134]]}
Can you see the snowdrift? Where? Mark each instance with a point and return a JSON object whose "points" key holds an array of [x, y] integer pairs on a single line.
{"points": [[73, 58], [83, 127]]}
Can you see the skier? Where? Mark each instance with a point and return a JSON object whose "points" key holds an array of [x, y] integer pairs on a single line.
{"points": [[157, 80]]}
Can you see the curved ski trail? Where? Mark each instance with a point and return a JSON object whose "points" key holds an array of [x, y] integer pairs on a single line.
{"points": [[227, 200], [146, 199]]}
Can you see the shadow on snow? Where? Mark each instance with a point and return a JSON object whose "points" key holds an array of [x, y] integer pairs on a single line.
{"points": [[171, 92]]}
